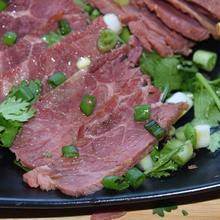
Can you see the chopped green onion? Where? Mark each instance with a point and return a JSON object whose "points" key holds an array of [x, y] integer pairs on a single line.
{"points": [[202, 136], [113, 22], [190, 133], [172, 131], [205, 60], [56, 79], [180, 134], [122, 2], [184, 155], [142, 112], [70, 151], [45, 154], [64, 27], [87, 8], [3, 6], [95, 14], [155, 129], [107, 40], [125, 35], [145, 163], [135, 177], [171, 145], [87, 104], [24, 93], [9, 38], [115, 183]]}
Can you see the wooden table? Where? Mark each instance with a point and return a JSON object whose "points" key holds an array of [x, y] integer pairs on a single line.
{"points": [[199, 206]]}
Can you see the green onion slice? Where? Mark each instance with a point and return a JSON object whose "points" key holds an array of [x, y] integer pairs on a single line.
{"points": [[205, 60], [9, 38], [115, 183], [107, 40], [94, 14], [64, 27], [190, 133], [24, 93], [125, 35], [87, 104], [56, 79], [122, 2], [155, 129], [142, 112], [135, 177], [70, 151], [3, 5]]}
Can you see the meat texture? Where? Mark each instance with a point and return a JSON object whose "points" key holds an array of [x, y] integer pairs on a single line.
{"points": [[62, 57], [32, 45], [24, 16], [195, 13], [59, 109], [211, 6], [176, 20], [111, 144]]}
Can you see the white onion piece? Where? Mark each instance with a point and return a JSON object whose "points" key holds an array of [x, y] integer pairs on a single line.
{"points": [[113, 23], [83, 62], [203, 136]]}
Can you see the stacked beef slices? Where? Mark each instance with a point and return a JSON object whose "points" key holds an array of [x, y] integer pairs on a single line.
{"points": [[109, 140], [167, 27]]}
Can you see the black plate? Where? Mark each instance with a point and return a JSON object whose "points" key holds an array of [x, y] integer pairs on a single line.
{"points": [[15, 193]]}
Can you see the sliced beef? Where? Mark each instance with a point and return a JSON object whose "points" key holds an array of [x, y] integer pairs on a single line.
{"points": [[110, 145], [58, 120], [177, 43], [62, 57], [32, 45], [149, 40], [212, 6], [109, 6], [24, 16], [176, 20], [195, 13]]}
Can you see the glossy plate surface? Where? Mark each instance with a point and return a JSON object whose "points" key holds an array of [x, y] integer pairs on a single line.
{"points": [[15, 193]]}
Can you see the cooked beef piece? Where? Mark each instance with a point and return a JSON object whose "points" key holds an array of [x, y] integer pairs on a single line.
{"points": [[58, 120], [149, 39], [32, 45], [23, 16], [212, 6], [62, 57], [195, 13], [109, 6], [152, 33], [176, 20], [110, 145]]}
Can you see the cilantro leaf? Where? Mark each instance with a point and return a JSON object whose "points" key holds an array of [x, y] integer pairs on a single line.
{"points": [[51, 38], [162, 68], [12, 109], [160, 210], [10, 130], [214, 142]]}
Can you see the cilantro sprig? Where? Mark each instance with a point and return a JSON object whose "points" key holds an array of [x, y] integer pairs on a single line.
{"points": [[15, 111]]}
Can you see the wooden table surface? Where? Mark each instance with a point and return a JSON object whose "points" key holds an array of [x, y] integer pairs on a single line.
{"points": [[199, 206]]}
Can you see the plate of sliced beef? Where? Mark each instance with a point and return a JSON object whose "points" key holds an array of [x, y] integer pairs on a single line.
{"points": [[109, 140]]}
